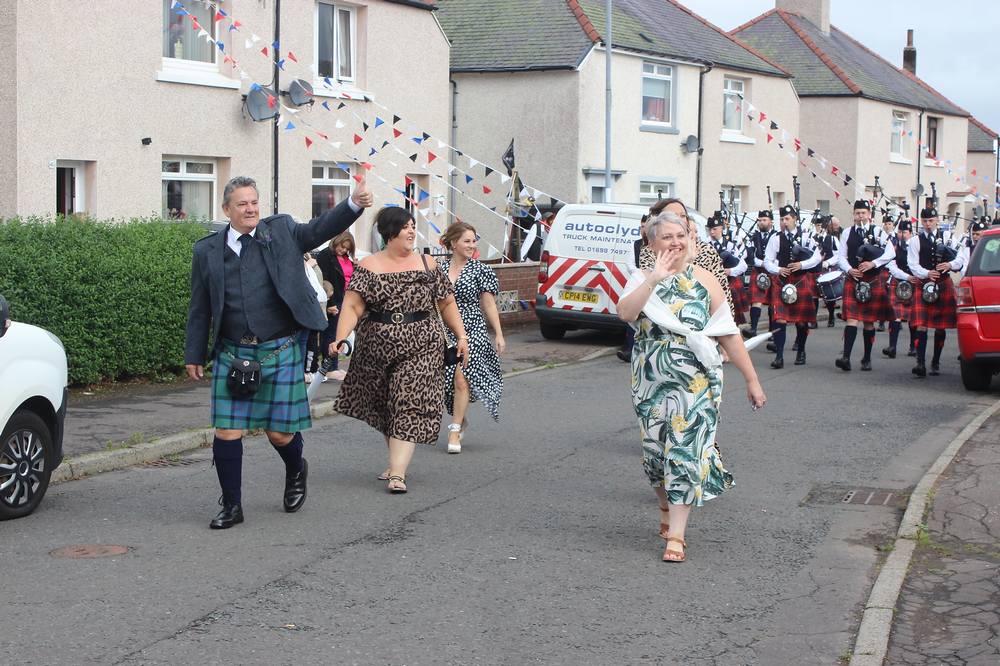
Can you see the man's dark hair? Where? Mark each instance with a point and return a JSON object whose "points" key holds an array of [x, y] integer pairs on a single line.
{"points": [[234, 184], [390, 221]]}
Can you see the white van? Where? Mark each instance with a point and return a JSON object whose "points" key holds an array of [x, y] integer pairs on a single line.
{"points": [[585, 263]]}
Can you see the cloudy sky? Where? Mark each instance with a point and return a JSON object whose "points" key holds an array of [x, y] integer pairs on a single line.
{"points": [[958, 41]]}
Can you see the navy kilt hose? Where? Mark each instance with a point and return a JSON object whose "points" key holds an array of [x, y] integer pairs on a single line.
{"points": [[740, 304], [758, 295], [902, 309], [940, 314], [879, 308], [279, 405], [803, 310]]}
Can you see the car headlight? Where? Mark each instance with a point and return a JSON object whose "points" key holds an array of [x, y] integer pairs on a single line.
{"points": [[56, 339]]}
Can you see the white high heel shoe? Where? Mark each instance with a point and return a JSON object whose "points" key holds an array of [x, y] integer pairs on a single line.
{"points": [[455, 447]]}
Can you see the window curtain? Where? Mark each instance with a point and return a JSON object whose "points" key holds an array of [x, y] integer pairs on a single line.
{"points": [[180, 40]]}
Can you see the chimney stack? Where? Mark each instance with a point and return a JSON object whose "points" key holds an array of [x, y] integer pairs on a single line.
{"points": [[816, 12], [910, 54]]}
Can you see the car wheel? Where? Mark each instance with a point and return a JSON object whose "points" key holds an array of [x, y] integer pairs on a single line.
{"points": [[25, 451], [552, 332], [976, 376]]}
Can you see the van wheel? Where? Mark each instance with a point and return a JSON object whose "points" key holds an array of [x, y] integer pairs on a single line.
{"points": [[25, 450], [552, 332], [976, 376]]}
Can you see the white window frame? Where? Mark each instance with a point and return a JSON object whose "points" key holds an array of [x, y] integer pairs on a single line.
{"points": [[326, 181], [669, 102], [648, 187], [900, 125], [335, 76], [934, 157], [79, 183], [737, 200], [736, 97], [183, 175], [195, 72]]}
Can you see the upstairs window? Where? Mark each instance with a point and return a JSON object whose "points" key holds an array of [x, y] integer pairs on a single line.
{"points": [[657, 82], [180, 38], [933, 137], [336, 28], [896, 142], [652, 191], [732, 104]]}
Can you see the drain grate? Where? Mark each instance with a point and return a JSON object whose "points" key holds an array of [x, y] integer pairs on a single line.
{"points": [[166, 462], [869, 497], [856, 495]]}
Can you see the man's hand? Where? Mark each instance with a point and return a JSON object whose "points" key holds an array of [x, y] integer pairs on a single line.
{"points": [[915, 280], [943, 266], [195, 372], [854, 273], [795, 266], [784, 272], [333, 309], [362, 196], [934, 275], [866, 266]]}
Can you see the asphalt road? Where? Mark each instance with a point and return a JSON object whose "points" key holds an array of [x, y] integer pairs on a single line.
{"points": [[536, 545]]}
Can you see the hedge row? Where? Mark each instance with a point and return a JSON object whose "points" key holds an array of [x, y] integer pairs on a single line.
{"points": [[116, 293]]}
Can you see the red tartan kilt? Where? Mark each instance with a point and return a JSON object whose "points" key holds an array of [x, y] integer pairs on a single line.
{"points": [[802, 311], [758, 295], [942, 314], [739, 293], [878, 309], [902, 310]]}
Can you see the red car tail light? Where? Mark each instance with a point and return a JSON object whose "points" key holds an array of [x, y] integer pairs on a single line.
{"points": [[964, 295], [543, 268]]}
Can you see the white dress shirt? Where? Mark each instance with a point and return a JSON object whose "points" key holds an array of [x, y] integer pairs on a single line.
{"points": [[771, 254], [888, 252], [913, 257]]}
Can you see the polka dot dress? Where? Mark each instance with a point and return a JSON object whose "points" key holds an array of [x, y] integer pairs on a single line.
{"points": [[483, 373]]}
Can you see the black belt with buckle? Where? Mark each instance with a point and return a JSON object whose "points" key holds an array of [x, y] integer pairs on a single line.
{"points": [[388, 317], [254, 340]]}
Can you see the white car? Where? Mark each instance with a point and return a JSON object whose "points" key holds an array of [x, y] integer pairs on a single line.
{"points": [[33, 384]]}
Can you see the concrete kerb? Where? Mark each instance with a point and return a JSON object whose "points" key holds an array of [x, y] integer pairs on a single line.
{"points": [[872, 642], [98, 462]]}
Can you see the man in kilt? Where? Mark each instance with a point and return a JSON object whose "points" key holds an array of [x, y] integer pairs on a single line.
{"points": [[864, 252], [759, 296], [789, 258], [250, 294], [931, 259], [899, 272], [976, 230], [732, 263]]}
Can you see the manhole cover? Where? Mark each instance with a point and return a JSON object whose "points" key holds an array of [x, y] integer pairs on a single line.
{"points": [[164, 462], [81, 551]]}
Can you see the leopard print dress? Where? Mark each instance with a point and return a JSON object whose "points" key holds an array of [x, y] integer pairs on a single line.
{"points": [[395, 382], [707, 258]]}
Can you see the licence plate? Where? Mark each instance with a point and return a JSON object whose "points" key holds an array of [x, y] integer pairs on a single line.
{"points": [[579, 296]]}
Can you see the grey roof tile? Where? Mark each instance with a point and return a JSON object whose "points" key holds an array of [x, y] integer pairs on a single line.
{"points": [[981, 137]]}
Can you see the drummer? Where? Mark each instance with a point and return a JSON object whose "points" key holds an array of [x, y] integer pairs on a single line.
{"points": [[759, 296], [901, 297], [789, 258], [828, 246], [732, 262], [976, 230], [863, 268]]}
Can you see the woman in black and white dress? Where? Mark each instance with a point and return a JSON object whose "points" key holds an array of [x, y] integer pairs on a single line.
{"points": [[476, 288]]}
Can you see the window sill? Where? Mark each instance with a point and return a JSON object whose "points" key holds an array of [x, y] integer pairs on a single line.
{"points": [[658, 129], [733, 137], [929, 162], [899, 159], [195, 76], [344, 91]]}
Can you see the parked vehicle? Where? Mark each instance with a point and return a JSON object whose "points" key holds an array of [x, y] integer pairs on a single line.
{"points": [[979, 314], [585, 263], [33, 383]]}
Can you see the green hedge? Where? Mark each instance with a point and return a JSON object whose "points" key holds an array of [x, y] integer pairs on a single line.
{"points": [[116, 293]]}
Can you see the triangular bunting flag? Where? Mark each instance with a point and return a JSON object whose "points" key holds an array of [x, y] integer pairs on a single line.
{"points": [[372, 152], [309, 142], [486, 190], [290, 126], [504, 178], [422, 196], [291, 56], [425, 135], [365, 126], [396, 133], [407, 180], [834, 170], [774, 125], [325, 105], [430, 157], [395, 119], [798, 145], [488, 172], [358, 177], [367, 166], [339, 124], [810, 152], [340, 106], [413, 158], [468, 179], [763, 117], [264, 51], [385, 143], [378, 121], [357, 139], [769, 137], [418, 140]]}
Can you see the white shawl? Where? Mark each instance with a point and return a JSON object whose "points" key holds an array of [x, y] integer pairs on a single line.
{"points": [[701, 342]]}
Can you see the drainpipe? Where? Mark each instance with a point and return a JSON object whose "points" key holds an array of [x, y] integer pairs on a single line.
{"points": [[452, 140], [920, 156], [701, 147], [608, 39], [277, 91]]}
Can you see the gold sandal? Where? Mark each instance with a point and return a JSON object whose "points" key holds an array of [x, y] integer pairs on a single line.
{"points": [[673, 555], [397, 484], [664, 527]]}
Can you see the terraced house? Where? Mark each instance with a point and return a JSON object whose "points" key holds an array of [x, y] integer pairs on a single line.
{"points": [[862, 113], [535, 71]]}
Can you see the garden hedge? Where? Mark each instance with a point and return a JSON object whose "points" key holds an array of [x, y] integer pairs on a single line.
{"points": [[115, 292]]}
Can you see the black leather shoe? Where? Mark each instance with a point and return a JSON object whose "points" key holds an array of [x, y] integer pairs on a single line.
{"points": [[881, 327], [771, 348], [295, 489], [811, 324], [747, 333], [935, 369], [829, 322], [778, 363], [800, 358], [231, 514], [623, 356], [920, 370], [890, 352], [843, 363], [795, 346], [912, 352], [866, 366]]}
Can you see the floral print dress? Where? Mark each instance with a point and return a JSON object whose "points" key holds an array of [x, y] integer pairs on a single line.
{"points": [[677, 399]]}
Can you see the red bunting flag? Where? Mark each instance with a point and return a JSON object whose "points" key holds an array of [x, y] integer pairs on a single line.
{"points": [[769, 137], [358, 177], [309, 142], [834, 171], [396, 133], [407, 180], [367, 166], [271, 101], [264, 51], [836, 193], [798, 145], [291, 56], [763, 117], [357, 139], [972, 173], [219, 16], [322, 135], [194, 23], [486, 190], [430, 157], [237, 24]]}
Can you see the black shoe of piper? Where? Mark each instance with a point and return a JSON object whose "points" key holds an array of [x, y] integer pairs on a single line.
{"points": [[920, 370], [231, 514], [843, 363], [778, 363], [829, 322], [800, 358], [890, 352], [295, 489], [771, 348], [935, 370], [866, 366], [912, 353]]}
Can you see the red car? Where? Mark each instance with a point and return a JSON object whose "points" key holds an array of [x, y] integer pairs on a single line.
{"points": [[979, 314]]}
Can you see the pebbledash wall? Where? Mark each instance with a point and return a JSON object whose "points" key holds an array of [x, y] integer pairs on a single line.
{"points": [[115, 88]]}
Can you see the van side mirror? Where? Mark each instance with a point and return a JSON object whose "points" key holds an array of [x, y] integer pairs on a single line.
{"points": [[4, 316]]}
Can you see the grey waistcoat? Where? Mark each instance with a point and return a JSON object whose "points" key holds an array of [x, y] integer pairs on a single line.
{"points": [[252, 304]]}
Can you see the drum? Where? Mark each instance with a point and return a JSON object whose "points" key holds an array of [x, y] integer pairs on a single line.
{"points": [[831, 286], [904, 291]]}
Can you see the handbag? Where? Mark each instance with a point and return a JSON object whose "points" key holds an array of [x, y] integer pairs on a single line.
{"points": [[243, 379], [451, 355]]}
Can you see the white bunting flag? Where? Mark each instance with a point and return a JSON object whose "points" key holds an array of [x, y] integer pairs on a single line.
{"points": [[528, 240]]}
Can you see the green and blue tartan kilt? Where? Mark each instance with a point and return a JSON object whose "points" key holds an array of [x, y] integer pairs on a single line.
{"points": [[280, 404]]}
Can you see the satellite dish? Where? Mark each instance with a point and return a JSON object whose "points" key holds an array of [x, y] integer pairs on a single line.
{"points": [[919, 190], [300, 92], [691, 144], [261, 103]]}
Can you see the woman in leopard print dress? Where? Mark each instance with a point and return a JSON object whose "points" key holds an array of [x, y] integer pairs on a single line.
{"points": [[395, 381]]}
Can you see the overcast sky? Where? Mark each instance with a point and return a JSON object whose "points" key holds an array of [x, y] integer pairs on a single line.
{"points": [[958, 41]]}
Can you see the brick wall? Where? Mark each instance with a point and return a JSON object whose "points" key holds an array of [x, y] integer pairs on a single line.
{"points": [[522, 278]]}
